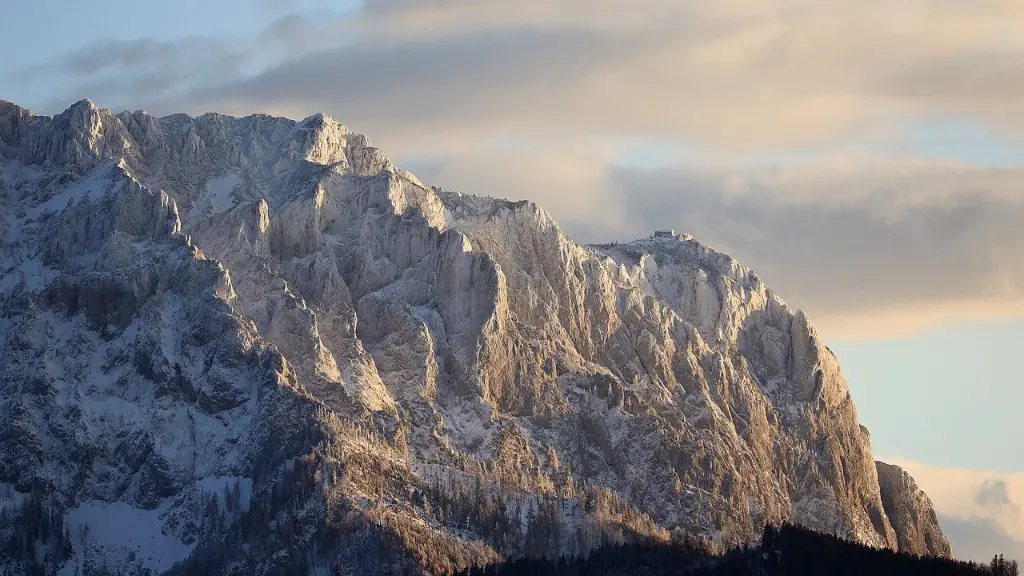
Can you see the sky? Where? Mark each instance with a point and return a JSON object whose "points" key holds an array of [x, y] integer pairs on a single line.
{"points": [[864, 156]]}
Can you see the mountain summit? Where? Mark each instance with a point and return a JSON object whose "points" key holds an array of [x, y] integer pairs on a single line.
{"points": [[255, 345]]}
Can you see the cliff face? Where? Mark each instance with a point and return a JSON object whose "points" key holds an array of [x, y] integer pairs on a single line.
{"points": [[911, 513], [191, 306]]}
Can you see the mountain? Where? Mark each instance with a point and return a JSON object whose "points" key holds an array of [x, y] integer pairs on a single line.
{"points": [[255, 345]]}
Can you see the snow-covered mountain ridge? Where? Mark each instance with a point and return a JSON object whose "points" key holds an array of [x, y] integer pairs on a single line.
{"points": [[270, 350]]}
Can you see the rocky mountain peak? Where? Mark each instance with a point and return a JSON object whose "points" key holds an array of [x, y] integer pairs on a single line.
{"points": [[244, 335], [13, 119]]}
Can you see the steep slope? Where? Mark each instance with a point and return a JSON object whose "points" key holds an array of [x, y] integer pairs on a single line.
{"points": [[459, 380], [911, 513]]}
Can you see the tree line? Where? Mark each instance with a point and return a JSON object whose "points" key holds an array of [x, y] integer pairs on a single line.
{"points": [[786, 550]]}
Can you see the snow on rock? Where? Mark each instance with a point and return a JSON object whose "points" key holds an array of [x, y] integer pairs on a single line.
{"points": [[217, 196], [10, 498], [115, 535], [316, 300]]}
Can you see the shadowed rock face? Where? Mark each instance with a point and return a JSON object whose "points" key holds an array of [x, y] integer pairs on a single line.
{"points": [[236, 293], [911, 513]]}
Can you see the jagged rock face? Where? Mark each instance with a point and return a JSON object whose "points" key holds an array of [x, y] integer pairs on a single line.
{"points": [[911, 513], [239, 293]]}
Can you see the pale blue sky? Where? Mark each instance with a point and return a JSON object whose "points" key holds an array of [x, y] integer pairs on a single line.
{"points": [[43, 32], [949, 138], [949, 397]]}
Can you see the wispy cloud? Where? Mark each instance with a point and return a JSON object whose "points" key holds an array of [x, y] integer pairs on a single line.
{"points": [[147, 71], [732, 75]]}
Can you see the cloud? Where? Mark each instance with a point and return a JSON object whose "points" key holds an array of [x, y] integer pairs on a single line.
{"points": [[121, 70], [979, 539], [144, 72], [866, 249], [733, 76], [569, 185], [993, 495]]}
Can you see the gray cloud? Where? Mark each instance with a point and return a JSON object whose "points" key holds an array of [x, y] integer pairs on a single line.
{"points": [[994, 496], [145, 72], [971, 79], [452, 81], [979, 539], [297, 33], [119, 54], [142, 70], [728, 75], [858, 245]]}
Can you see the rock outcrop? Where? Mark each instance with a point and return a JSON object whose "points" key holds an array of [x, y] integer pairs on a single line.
{"points": [[911, 513], [270, 316]]}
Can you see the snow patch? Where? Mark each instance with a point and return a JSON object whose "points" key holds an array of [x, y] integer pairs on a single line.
{"points": [[216, 198], [10, 498], [94, 186], [121, 535], [36, 275]]}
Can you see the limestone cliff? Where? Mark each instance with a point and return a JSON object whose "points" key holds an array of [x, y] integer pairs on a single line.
{"points": [[231, 309], [911, 513]]}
